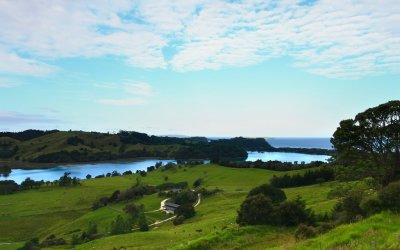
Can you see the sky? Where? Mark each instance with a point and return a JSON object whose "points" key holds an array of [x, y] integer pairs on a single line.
{"points": [[252, 68]]}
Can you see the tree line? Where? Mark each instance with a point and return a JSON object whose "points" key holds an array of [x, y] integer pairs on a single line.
{"points": [[269, 165]]}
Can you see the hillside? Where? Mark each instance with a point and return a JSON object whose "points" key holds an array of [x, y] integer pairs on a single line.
{"points": [[79, 146], [29, 213]]}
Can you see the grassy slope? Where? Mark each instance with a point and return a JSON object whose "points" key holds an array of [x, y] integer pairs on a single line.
{"points": [[65, 211], [380, 231]]}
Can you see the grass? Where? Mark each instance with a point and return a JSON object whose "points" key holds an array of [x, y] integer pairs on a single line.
{"points": [[66, 211], [380, 231]]}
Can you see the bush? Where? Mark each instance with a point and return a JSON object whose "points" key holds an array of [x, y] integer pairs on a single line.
{"points": [[292, 213], [52, 240], [33, 244], [8, 187], [186, 210], [120, 226], [390, 196], [256, 210], [349, 209], [325, 227], [143, 225], [351, 204], [305, 232], [134, 211], [371, 206], [178, 220], [275, 194], [197, 182], [185, 197]]}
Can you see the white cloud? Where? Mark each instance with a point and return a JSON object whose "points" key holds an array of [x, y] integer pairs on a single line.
{"points": [[122, 102], [139, 88], [14, 64], [345, 39]]}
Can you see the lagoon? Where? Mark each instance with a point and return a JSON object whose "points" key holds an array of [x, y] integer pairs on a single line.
{"points": [[285, 157], [94, 169]]}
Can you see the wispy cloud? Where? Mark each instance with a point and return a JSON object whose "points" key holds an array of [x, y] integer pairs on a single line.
{"points": [[122, 102], [14, 118], [139, 88], [341, 39], [8, 82], [138, 93]]}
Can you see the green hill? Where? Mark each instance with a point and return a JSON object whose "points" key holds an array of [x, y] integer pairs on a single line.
{"points": [[65, 211]]}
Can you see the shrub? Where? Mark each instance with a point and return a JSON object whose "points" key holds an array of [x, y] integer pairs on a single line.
{"points": [[292, 213], [8, 187], [186, 210], [371, 206], [143, 225], [390, 196], [256, 210], [275, 194], [325, 227], [120, 226], [133, 210], [33, 244], [52, 240], [197, 182], [75, 239], [305, 232], [351, 205], [185, 197], [178, 220]]}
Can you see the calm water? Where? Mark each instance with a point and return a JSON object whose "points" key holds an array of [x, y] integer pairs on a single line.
{"points": [[285, 157], [282, 142], [81, 170]]}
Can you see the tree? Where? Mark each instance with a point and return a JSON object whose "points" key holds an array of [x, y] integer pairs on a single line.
{"points": [[256, 210], [120, 226], [292, 213], [186, 210], [275, 194], [371, 139], [134, 211], [143, 225], [390, 196]]}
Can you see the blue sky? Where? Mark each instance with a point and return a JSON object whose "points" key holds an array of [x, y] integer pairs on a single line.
{"points": [[215, 68]]}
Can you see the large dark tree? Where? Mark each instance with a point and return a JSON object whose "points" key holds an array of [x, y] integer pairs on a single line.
{"points": [[371, 140]]}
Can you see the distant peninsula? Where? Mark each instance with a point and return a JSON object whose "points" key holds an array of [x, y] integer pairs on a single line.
{"points": [[54, 146]]}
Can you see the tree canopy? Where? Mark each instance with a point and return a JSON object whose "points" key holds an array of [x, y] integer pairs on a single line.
{"points": [[372, 140]]}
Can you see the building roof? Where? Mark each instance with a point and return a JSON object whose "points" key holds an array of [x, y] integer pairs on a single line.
{"points": [[171, 205]]}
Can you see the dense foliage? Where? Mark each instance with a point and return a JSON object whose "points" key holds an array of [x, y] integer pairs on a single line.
{"points": [[260, 210], [275, 194], [27, 134], [270, 165], [8, 187], [371, 140], [249, 144], [310, 177]]}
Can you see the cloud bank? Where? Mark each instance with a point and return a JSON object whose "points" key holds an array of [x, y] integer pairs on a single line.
{"points": [[338, 39]]}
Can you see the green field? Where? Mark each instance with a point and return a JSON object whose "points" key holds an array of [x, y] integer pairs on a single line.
{"points": [[66, 211]]}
